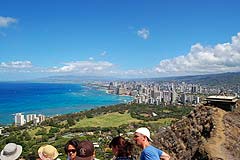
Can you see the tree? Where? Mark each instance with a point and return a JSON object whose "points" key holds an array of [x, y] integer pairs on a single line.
{"points": [[54, 130], [26, 136], [71, 122]]}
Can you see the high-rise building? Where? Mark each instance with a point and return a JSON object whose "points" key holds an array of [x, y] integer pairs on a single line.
{"points": [[172, 87], [200, 89], [183, 98], [36, 120], [110, 87], [166, 96], [1, 130], [190, 99], [121, 91], [19, 119], [133, 92], [194, 88], [41, 117], [197, 99], [173, 97], [155, 94], [150, 100], [158, 101], [30, 117]]}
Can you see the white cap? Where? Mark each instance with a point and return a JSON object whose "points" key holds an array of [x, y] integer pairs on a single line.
{"points": [[144, 131]]}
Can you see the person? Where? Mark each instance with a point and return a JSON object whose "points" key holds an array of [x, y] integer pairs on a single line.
{"points": [[85, 150], [142, 139], [71, 149], [121, 149], [11, 151], [115, 144], [48, 152]]}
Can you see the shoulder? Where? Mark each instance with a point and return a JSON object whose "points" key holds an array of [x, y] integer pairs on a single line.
{"points": [[150, 148], [152, 152]]}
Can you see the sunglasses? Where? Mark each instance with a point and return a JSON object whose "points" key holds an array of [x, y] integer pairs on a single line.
{"points": [[72, 150]]}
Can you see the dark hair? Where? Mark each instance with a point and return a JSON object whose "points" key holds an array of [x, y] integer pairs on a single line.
{"points": [[129, 148], [117, 141], [73, 142], [125, 148]]}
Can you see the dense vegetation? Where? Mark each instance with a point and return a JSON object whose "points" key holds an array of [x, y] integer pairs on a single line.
{"points": [[92, 125]]}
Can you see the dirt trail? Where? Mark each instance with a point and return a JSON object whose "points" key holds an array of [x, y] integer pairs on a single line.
{"points": [[214, 145]]}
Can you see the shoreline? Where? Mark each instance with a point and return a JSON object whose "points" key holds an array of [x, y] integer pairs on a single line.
{"points": [[69, 108]]}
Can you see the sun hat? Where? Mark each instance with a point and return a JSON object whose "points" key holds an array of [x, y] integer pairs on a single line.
{"points": [[47, 152], [144, 131], [86, 150], [11, 152]]}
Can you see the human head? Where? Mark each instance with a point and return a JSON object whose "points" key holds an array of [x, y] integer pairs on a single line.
{"points": [[70, 148], [116, 141], [144, 131], [11, 151], [85, 150], [116, 144], [47, 152], [142, 136]]}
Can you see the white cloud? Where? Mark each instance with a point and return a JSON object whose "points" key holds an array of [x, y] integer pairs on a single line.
{"points": [[6, 21], [84, 67], [15, 65], [201, 60], [143, 33]]}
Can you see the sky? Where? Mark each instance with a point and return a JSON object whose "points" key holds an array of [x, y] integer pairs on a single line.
{"points": [[118, 38]]}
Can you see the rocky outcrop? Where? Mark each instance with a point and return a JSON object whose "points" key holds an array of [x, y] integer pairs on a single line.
{"points": [[200, 135], [232, 133]]}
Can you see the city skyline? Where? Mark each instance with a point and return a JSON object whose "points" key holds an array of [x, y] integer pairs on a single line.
{"points": [[134, 39]]}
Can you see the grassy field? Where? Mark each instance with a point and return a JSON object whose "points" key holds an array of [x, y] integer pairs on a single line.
{"points": [[114, 120], [107, 120], [32, 132]]}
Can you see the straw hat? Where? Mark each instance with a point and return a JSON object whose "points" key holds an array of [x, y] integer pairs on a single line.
{"points": [[47, 152], [11, 152]]}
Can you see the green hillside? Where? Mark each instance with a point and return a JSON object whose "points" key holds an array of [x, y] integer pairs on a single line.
{"points": [[98, 125]]}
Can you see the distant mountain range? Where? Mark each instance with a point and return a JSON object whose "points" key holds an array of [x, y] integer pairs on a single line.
{"points": [[73, 79], [230, 78], [223, 79]]}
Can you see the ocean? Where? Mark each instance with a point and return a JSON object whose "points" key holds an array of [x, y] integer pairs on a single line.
{"points": [[51, 99]]}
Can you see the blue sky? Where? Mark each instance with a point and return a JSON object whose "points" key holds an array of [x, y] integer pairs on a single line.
{"points": [[120, 38]]}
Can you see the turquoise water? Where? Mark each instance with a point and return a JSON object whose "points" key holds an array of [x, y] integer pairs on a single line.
{"points": [[51, 99]]}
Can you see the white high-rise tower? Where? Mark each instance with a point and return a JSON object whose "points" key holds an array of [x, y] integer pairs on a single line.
{"points": [[19, 119]]}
